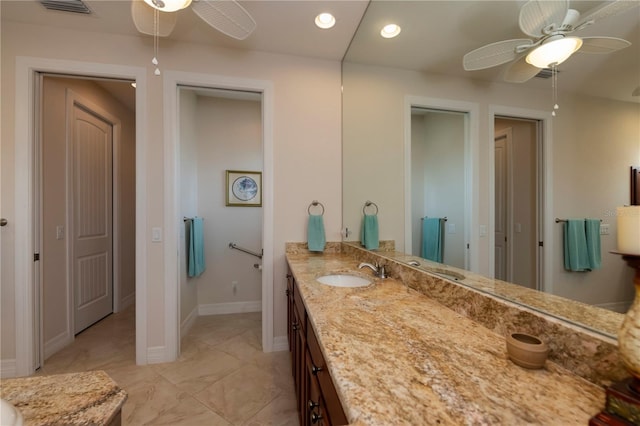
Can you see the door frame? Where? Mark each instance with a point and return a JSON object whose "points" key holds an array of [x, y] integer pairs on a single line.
{"points": [[173, 218], [471, 166], [545, 170], [26, 270]]}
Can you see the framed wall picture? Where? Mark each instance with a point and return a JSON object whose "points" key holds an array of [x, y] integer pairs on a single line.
{"points": [[244, 189]]}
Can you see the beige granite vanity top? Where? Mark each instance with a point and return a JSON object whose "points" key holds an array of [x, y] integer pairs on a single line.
{"points": [[88, 398], [399, 357]]}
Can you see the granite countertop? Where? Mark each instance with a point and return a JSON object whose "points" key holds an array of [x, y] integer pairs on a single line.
{"points": [[399, 357], [88, 398]]}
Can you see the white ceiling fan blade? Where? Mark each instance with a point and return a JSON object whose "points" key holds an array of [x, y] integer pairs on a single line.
{"points": [[494, 54], [142, 15], [605, 10], [602, 44], [226, 16], [536, 15], [520, 71]]}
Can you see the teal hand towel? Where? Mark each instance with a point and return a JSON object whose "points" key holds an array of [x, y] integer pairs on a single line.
{"points": [[316, 239], [576, 256], [196, 248], [432, 243], [592, 230], [369, 232]]}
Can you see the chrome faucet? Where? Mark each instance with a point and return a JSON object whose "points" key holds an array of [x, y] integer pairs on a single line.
{"points": [[377, 269]]}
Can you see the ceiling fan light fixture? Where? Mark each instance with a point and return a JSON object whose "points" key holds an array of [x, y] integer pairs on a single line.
{"points": [[390, 30], [553, 52], [325, 20], [168, 5]]}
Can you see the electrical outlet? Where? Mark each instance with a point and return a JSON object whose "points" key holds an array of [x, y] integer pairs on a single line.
{"points": [[604, 229], [234, 286]]}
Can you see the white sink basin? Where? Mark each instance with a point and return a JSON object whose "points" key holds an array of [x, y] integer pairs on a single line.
{"points": [[9, 415], [344, 280]]}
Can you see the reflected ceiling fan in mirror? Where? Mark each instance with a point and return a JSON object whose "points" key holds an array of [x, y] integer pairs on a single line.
{"points": [[551, 24], [157, 18]]}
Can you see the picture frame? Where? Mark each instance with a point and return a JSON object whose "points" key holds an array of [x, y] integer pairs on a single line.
{"points": [[244, 188]]}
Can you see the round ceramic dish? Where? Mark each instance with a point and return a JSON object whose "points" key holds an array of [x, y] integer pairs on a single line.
{"points": [[527, 351]]}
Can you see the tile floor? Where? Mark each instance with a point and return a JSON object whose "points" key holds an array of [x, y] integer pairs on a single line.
{"points": [[221, 378]]}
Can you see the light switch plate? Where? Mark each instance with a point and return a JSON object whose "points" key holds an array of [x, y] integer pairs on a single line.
{"points": [[156, 235], [604, 229]]}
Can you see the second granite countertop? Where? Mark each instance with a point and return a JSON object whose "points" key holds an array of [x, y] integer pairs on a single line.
{"points": [[399, 357]]}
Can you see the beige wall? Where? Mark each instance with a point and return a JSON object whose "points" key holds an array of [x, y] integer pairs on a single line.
{"points": [[306, 133], [55, 285], [594, 143]]}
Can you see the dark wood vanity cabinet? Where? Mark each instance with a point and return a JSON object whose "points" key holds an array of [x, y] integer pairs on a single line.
{"points": [[316, 396]]}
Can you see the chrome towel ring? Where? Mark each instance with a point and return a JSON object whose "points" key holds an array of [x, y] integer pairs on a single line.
{"points": [[367, 204], [315, 203]]}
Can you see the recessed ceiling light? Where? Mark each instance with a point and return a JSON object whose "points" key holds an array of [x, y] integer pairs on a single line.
{"points": [[325, 20], [390, 31]]}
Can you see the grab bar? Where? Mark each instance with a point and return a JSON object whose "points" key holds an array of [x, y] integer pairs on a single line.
{"points": [[252, 253]]}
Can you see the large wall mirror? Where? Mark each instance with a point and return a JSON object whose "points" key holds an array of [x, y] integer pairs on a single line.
{"points": [[571, 165]]}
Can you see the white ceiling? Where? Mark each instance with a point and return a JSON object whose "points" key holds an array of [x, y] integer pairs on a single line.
{"points": [[435, 35]]}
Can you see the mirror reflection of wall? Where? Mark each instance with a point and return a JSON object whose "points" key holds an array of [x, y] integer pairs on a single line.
{"points": [[437, 180]]}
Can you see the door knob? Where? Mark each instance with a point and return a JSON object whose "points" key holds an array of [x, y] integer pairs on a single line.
{"points": [[3, 222]]}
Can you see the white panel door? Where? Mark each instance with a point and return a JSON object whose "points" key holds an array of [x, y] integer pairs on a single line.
{"points": [[91, 207], [501, 208]]}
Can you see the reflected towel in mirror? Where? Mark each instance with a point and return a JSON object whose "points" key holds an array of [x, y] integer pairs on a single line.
{"points": [[316, 238], [369, 232], [432, 239]]}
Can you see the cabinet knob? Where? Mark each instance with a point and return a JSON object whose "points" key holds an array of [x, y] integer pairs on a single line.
{"points": [[295, 325], [289, 276], [315, 417], [315, 370], [313, 405], [287, 292]]}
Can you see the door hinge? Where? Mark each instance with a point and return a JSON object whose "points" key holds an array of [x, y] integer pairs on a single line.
{"points": [[540, 243], [36, 257]]}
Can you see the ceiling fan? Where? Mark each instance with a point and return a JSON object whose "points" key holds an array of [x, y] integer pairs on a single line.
{"points": [[550, 24], [226, 16]]}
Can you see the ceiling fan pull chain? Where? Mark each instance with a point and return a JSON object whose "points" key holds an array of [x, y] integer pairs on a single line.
{"points": [[156, 30], [554, 80]]}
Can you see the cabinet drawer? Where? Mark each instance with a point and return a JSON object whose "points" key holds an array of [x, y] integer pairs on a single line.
{"points": [[318, 368]]}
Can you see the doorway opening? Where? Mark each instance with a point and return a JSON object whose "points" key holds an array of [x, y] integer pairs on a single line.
{"points": [[437, 120], [438, 186], [518, 200], [85, 215], [220, 133]]}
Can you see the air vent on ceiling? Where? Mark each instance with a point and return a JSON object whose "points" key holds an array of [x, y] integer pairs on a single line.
{"points": [[545, 73], [75, 6]]}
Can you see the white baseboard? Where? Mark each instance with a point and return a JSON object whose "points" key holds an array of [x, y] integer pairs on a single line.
{"points": [[621, 307], [127, 301], [280, 343], [7, 368], [158, 354], [57, 343], [188, 322], [230, 308]]}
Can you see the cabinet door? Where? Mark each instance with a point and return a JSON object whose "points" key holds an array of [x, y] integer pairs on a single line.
{"points": [[299, 365], [290, 319], [334, 412], [315, 409]]}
